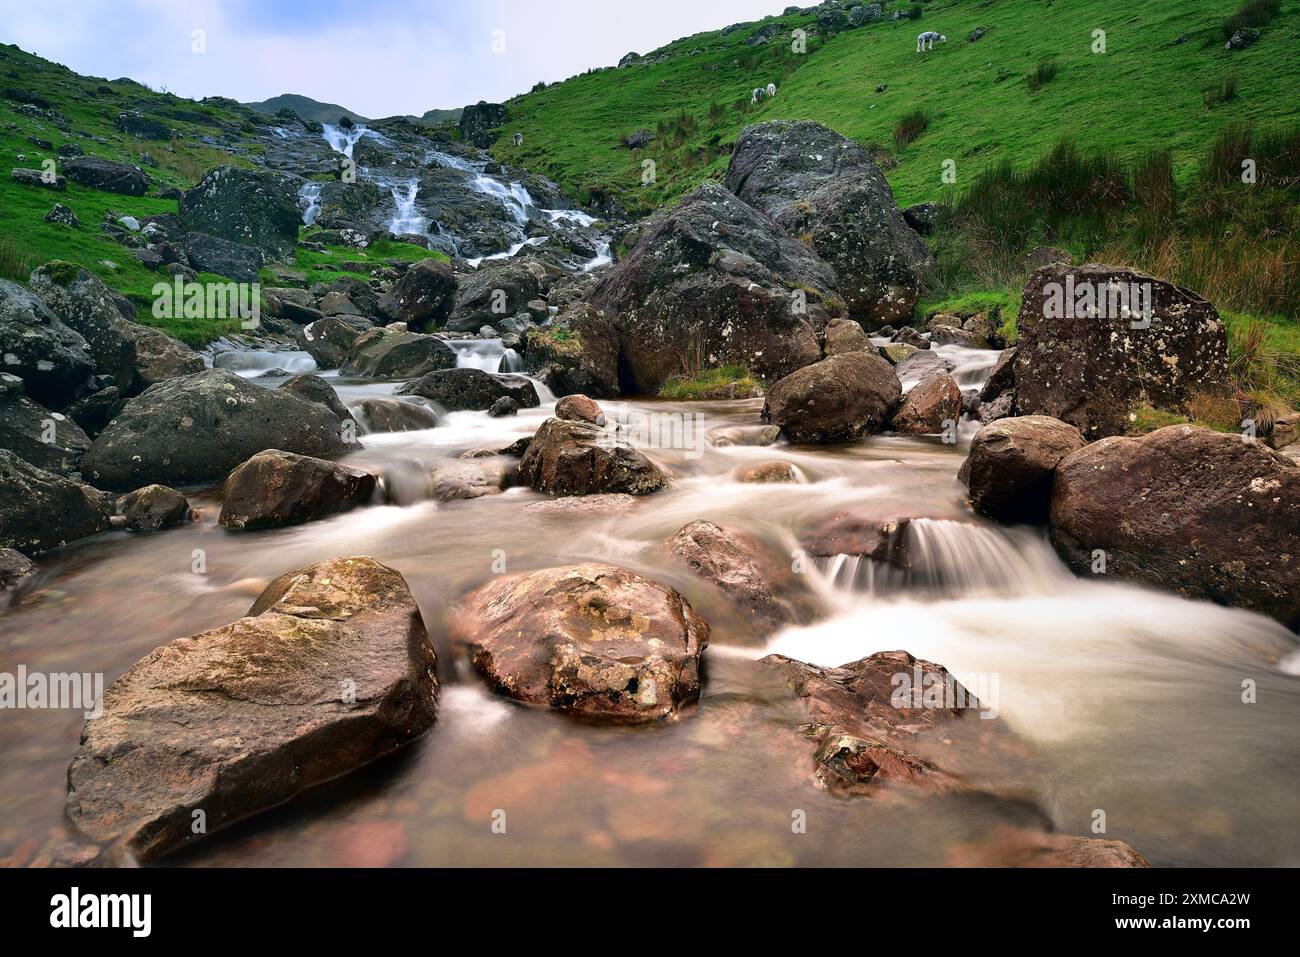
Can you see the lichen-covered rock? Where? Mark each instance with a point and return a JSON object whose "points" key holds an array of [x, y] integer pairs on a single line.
{"points": [[384, 354], [423, 297], [331, 669], [36, 346], [40, 510], [836, 400], [197, 428], [49, 440], [274, 489], [1011, 464], [577, 458], [250, 207], [1090, 356], [594, 641], [845, 335], [1186, 509]]}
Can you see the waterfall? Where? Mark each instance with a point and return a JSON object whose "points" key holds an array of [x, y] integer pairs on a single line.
{"points": [[309, 199], [407, 219], [341, 140], [489, 355]]}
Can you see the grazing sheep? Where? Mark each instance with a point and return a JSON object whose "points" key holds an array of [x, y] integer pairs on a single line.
{"points": [[928, 37], [771, 89], [519, 139], [757, 95]]}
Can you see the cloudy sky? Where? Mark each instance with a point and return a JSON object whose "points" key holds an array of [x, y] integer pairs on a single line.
{"points": [[377, 57]]}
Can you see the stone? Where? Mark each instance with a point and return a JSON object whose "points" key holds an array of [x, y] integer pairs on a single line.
{"points": [[836, 400], [1011, 465], [274, 489]]}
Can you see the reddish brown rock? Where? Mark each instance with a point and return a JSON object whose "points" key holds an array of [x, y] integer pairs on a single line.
{"points": [[577, 458], [276, 488], [593, 641], [836, 400], [1011, 464], [579, 408], [735, 564], [930, 407]]}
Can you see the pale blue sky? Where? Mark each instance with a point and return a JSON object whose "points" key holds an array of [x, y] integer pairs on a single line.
{"points": [[378, 57]]}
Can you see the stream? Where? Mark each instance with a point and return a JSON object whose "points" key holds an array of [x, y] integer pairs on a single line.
{"points": [[1130, 698]]}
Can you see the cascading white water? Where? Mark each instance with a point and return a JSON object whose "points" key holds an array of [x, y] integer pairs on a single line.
{"points": [[341, 140], [255, 362], [407, 219], [309, 200], [489, 355]]}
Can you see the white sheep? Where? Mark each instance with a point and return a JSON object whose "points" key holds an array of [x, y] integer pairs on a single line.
{"points": [[519, 139], [928, 37], [771, 89]]}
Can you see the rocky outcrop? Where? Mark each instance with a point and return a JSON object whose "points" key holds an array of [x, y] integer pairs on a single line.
{"points": [[48, 440], [1011, 464], [252, 208], [474, 389], [273, 489], [153, 508], [816, 183], [479, 122], [930, 407], [736, 564], [593, 641], [36, 346], [197, 428], [384, 354], [1088, 356], [331, 669], [711, 282], [1186, 509], [40, 510], [577, 458], [135, 356], [836, 400], [423, 297], [107, 175]]}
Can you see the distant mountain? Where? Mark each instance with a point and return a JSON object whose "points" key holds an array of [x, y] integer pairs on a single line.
{"points": [[307, 108], [439, 116]]}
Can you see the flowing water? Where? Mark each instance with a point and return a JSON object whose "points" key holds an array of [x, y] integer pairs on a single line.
{"points": [[1130, 699]]}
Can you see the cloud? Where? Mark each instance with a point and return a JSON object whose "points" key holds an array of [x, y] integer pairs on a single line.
{"points": [[378, 57]]}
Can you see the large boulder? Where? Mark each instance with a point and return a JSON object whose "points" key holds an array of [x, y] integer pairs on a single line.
{"points": [[250, 207], [274, 489], [395, 415], [1087, 355], [423, 297], [1187, 509], [712, 282], [578, 458], [836, 400], [135, 356], [107, 175], [48, 440], [197, 428], [494, 291], [594, 641], [315, 389], [816, 183], [845, 335], [736, 564], [1011, 464], [225, 257], [385, 354], [331, 669], [40, 510], [478, 123], [932, 406], [36, 346], [330, 340], [459, 389]]}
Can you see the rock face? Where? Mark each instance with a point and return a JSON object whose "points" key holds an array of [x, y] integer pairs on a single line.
{"points": [[1187, 509], [1011, 465], [870, 732], [40, 510], [51, 359], [197, 428], [711, 282], [153, 508], [331, 669], [836, 400], [423, 297], [594, 641], [257, 209], [478, 123], [736, 565], [135, 356], [460, 389], [48, 440], [577, 458], [1080, 360], [930, 406], [107, 175], [381, 354], [819, 184], [275, 488]]}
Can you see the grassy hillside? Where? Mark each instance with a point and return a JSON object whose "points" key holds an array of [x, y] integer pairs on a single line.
{"points": [[1146, 90], [82, 110]]}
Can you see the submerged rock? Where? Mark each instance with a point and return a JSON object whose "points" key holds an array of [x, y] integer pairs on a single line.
{"points": [[736, 564], [274, 489], [394, 415], [331, 669], [594, 641], [1186, 509], [836, 400]]}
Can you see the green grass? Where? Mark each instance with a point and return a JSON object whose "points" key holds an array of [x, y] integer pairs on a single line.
{"points": [[723, 382], [1144, 92]]}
